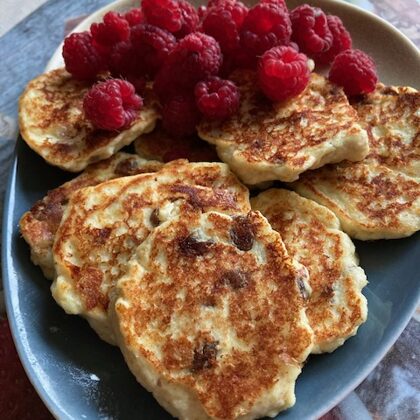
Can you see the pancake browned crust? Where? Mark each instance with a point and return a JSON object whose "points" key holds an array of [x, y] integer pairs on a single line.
{"points": [[268, 141], [39, 225], [104, 224], [392, 117], [210, 317], [312, 236], [371, 201], [53, 124], [159, 145]]}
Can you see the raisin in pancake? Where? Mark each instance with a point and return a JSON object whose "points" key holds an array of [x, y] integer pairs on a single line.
{"points": [[39, 225], [53, 124], [313, 237], [371, 200], [210, 317], [392, 117], [104, 224], [278, 141], [159, 145]]}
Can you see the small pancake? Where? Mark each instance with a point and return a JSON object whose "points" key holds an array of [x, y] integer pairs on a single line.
{"points": [[268, 141], [392, 117], [312, 236], [104, 224], [210, 317], [159, 145], [53, 124], [39, 225], [371, 201]]}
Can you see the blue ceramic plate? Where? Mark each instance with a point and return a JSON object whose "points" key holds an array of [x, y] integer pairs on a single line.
{"points": [[80, 377]]}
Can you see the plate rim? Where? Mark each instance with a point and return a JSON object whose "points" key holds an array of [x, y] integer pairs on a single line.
{"points": [[8, 274]]}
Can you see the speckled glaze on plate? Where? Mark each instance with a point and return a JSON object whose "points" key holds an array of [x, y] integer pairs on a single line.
{"points": [[80, 377]]}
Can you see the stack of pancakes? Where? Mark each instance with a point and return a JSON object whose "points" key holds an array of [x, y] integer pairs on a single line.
{"points": [[217, 300]]}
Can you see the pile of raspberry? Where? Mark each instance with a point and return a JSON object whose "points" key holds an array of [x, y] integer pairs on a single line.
{"points": [[189, 54]]}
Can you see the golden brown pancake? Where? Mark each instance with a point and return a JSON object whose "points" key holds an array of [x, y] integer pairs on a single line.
{"points": [[53, 124], [312, 236], [210, 317], [39, 225], [268, 141], [104, 224]]}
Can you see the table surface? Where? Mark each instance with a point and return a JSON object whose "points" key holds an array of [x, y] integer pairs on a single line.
{"points": [[31, 29]]}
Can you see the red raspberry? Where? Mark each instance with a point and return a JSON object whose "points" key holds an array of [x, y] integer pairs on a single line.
{"points": [[83, 61], [123, 62], [152, 46], [341, 41], [194, 58], [190, 19], [113, 29], [280, 3], [180, 116], [134, 16], [223, 22], [355, 71], [201, 11], [177, 17], [266, 25], [283, 73], [112, 105], [217, 98], [18, 398], [310, 29]]}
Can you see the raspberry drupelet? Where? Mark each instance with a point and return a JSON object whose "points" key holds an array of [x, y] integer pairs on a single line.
{"points": [[266, 25], [134, 16], [194, 58], [283, 73], [180, 115], [217, 98], [112, 105], [355, 71], [341, 41], [152, 45], [113, 29], [82, 60], [310, 29], [281, 3], [223, 22]]}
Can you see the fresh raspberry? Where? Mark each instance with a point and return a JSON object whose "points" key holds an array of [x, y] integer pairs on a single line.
{"points": [[283, 73], [177, 17], [201, 11], [163, 13], [341, 41], [83, 61], [223, 22], [281, 3], [152, 45], [18, 399], [134, 16], [112, 105], [266, 25], [123, 62], [190, 19], [310, 29], [194, 58], [355, 71], [113, 29], [180, 116], [217, 98]]}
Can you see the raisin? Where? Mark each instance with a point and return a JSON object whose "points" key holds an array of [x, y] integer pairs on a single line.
{"points": [[235, 279], [154, 218], [127, 167], [191, 247], [204, 357], [242, 233], [302, 288]]}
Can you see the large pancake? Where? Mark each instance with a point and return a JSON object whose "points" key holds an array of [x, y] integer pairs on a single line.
{"points": [[268, 141], [104, 224], [53, 124], [378, 198], [312, 236], [210, 317], [39, 225]]}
